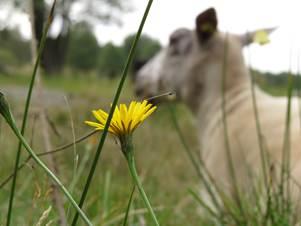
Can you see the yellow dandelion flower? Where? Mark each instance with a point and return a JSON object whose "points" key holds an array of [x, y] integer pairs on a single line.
{"points": [[261, 37], [125, 119]]}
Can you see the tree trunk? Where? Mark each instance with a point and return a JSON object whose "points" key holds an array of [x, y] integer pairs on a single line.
{"points": [[55, 50], [54, 55]]}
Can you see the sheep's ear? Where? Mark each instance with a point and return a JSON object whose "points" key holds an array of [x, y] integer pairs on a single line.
{"points": [[206, 24], [260, 36]]}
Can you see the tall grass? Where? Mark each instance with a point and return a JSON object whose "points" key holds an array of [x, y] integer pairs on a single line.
{"points": [[26, 110]]}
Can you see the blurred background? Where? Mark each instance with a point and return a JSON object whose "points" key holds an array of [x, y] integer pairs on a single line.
{"points": [[94, 37], [81, 65]]}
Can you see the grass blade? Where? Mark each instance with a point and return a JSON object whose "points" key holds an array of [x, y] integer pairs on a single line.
{"points": [[26, 110], [225, 127], [204, 205], [128, 207], [49, 152], [115, 100], [7, 115], [196, 164], [285, 165]]}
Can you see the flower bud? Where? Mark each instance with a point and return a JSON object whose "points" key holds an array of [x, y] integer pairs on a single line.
{"points": [[4, 108]]}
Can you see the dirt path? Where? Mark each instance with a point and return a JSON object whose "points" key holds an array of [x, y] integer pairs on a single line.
{"points": [[50, 98]]}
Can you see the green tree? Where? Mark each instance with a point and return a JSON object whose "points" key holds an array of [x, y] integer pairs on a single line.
{"points": [[84, 49], [14, 51], [111, 60], [147, 47], [93, 12]]}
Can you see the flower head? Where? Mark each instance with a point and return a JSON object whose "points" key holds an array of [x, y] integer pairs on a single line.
{"points": [[125, 119]]}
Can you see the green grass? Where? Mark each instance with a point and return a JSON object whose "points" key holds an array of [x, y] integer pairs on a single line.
{"points": [[80, 84], [18, 79], [156, 144], [167, 173]]}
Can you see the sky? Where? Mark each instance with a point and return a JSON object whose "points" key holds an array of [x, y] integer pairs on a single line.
{"points": [[235, 16]]}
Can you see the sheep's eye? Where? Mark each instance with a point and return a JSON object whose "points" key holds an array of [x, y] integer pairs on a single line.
{"points": [[179, 47], [180, 42], [173, 40]]}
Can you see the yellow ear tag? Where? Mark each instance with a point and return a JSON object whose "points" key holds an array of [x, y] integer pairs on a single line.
{"points": [[261, 37], [207, 27]]}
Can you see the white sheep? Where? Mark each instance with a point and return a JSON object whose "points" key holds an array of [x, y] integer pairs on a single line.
{"points": [[194, 65]]}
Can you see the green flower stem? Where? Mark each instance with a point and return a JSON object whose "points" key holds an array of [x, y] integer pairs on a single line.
{"points": [[129, 154], [4, 110]]}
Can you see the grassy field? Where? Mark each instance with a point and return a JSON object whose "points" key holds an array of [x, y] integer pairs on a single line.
{"points": [[162, 163], [167, 173]]}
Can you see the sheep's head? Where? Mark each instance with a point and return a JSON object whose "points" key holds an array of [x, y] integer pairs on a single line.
{"points": [[193, 62]]}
